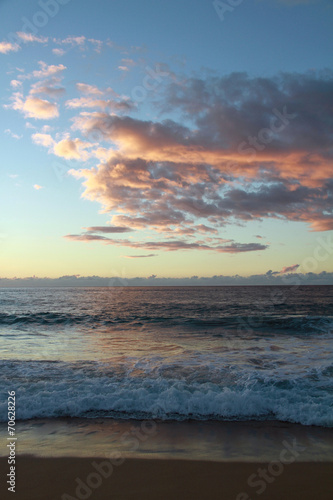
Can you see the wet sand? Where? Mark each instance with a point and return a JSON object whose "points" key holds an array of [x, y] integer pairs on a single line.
{"points": [[81, 459], [248, 441], [145, 479]]}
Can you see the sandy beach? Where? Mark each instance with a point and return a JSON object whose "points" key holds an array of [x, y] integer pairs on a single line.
{"points": [[81, 459], [143, 479]]}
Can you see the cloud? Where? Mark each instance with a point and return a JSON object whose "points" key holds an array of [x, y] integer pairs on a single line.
{"points": [[258, 118], [34, 107], [290, 281], [237, 149], [58, 52], [93, 98], [289, 269], [16, 83], [47, 71], [12, 134], [72, 149], [108, 229], [47, 88], [72, 40], [271, 273], [252, 148], [242, 247], [140, 256], [89, 89], [128, 62], [216, 244], [37, 187], [110, 104], [43, 140], [6, 47], [97, 44], [30, 37], [86, 237]]}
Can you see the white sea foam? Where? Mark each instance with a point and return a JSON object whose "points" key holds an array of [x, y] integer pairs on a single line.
{"points": [[93, 389]]}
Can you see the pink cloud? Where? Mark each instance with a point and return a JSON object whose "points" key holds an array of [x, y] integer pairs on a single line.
{"points": [[34, 107], [72, 149], [289, 269]]}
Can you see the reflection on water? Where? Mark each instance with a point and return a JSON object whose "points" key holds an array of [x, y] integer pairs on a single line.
{"points": [[227, 441]]}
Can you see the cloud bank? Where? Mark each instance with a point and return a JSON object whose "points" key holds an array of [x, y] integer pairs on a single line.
{"points": [[270, 278]]}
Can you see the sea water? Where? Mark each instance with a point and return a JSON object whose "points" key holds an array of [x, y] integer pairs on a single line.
{"points": [[169, 353]]}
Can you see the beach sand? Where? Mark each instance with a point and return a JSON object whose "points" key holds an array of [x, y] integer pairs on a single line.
{"points": [[145, 479], [60, 459]]}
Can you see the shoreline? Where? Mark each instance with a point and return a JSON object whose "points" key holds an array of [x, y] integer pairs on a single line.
{"points": [[219, 441], [74, 478]]}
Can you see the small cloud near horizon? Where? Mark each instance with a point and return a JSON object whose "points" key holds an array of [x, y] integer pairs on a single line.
{"points": [[289, 269]]}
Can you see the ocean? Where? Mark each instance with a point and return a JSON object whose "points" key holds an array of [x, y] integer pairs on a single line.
{"points": [[169, 353]]}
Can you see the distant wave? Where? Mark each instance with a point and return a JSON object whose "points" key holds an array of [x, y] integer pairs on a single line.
{"points": [[290, 324]]}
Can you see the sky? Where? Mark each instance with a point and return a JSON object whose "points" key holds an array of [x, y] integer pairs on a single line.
{"points": [[182, 142]]}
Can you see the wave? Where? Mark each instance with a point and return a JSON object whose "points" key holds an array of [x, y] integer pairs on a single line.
{"points": [[95, 389], [242, 324]]}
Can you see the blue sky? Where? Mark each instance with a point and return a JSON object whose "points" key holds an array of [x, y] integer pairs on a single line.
{"points": [[123, 122]]}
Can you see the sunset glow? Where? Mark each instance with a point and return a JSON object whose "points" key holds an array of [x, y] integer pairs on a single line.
{"points": [[123, 160]]}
